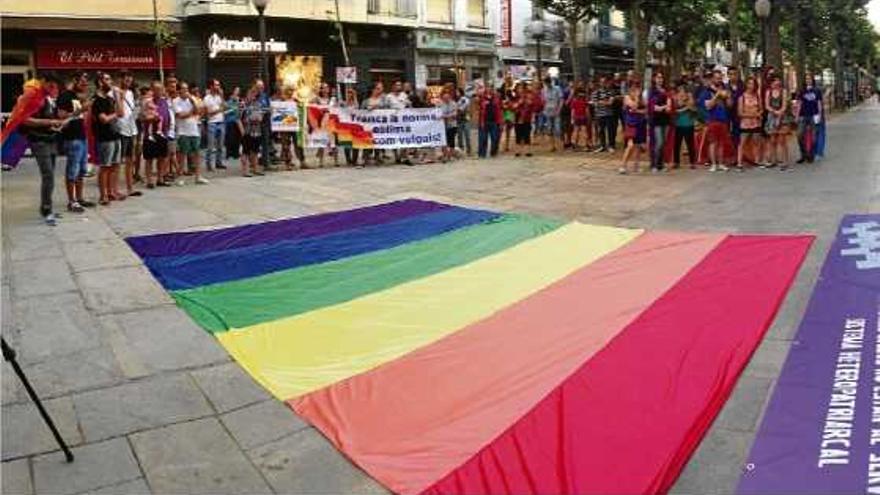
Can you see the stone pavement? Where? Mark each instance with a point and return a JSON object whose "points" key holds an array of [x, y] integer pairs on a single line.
{"points": [[152, 404]]}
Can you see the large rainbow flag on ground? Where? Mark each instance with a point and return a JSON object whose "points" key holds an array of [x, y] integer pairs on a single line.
{"points": [[456, 350]]}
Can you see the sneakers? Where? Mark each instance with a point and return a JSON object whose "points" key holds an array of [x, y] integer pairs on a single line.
{"points": [[621, 171], [713, 168], [75, 207], [201, 181], [723, 168], [181, 183], [51, 219]]}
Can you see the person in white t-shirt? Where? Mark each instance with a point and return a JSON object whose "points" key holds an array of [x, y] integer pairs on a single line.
{"points": [[398, 100], [187, 113], [127, 128], [215, 108]]}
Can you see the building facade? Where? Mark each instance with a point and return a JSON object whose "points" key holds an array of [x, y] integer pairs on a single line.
{"points": [[604, 44], [426, 42], [64, 36]]}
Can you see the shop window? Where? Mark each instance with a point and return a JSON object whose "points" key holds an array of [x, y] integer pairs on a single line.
{"points": [[439, 11], [476, 13]]}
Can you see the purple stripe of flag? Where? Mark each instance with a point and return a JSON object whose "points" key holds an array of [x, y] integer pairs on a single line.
{"points": [[174, 244]]}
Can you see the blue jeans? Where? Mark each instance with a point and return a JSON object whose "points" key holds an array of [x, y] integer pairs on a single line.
{"points": [[486, 133], [464, 136], [553, 125], [77, 154], [216, 137], [659, 146]]}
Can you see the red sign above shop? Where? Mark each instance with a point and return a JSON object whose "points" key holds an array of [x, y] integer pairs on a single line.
{"points": [[94, 56]]}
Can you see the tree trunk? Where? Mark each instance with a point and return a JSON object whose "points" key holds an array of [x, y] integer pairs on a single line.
{"points": [[800, 48], [157, 43], [640, 36], [732, 8], [573, 46], [774, 42], [677, 55]]}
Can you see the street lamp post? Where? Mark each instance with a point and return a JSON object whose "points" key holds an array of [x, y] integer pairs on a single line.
{"points": [[266, 144], [762, 10], [838, 78], [537, 32], [261, 5]]}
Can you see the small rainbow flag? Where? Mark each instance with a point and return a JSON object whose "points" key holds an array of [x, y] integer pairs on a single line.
{"points": [[456, 350]]}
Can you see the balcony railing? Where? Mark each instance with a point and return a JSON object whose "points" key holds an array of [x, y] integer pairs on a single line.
{"points": [[396, 8], [602, 34]]}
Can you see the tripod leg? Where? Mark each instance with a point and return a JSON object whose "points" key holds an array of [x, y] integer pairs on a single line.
{"points": [[9, 355]]}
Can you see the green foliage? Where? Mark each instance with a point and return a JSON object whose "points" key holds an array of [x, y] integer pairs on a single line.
{"points": [[163, 35], [573, 10]]}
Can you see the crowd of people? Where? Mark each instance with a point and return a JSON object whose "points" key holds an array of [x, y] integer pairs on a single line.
{"points": [[168, 132], [723, 120]]}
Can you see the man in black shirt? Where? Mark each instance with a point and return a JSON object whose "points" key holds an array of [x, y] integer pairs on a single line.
{"points": [[72, 104], [106, 110], [42, 134]]}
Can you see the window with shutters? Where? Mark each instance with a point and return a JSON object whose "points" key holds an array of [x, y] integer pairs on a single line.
{"points": [[439, 11], [476, 10]]}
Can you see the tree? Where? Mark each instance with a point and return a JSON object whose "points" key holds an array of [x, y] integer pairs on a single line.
{"points": [[732, 9], [573, 12]]}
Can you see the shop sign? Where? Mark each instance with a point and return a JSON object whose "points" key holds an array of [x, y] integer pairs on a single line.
{"points": [[447, 42], [60, 56], [506, 34], [246, 45], [477, 43]]}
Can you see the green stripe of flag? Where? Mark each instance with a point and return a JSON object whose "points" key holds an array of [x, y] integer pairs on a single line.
{"points": [[246, 302]]}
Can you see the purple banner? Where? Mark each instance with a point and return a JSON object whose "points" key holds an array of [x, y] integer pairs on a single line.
{"points": [[821, 431]]}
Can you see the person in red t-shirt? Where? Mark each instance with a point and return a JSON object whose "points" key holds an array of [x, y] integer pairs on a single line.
{"points": [[524, 113], [580, 117]]}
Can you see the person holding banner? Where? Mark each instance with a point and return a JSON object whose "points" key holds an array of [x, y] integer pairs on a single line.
{"points": [[397, 99], [350, 103], [376, 101], [324, 99], [491, 119]]}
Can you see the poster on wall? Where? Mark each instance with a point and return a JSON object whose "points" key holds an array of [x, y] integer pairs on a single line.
{"points": [[299, 73], [421, 76], [285, 116], [346, 75], [375, 129]]}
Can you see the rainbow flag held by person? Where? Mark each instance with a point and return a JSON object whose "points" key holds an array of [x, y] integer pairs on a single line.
{"points": [[446, 349], [13, 143]]}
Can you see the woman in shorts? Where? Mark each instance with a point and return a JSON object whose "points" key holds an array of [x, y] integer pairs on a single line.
{"points": [[634, 110], [252, 138], [750, 114], [778, 122]]}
